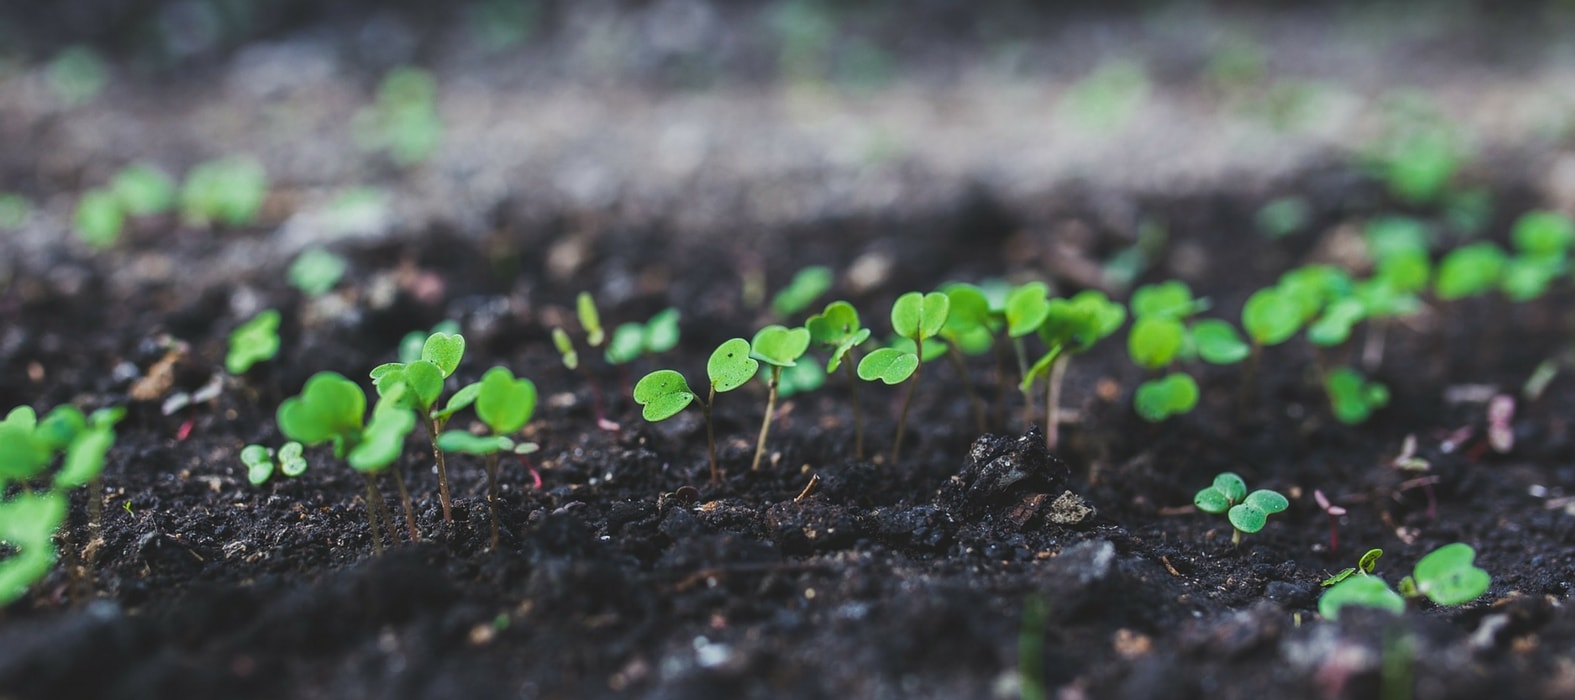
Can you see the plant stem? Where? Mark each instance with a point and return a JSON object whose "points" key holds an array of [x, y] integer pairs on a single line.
{"points": [[404, 500], [710, 436], [388, 518], [1053, 402], [1026, 391], [974, 403], [1249, 376], [433, 428], [902, 418], [1373, 345], [492, 494], [765, 425], [1000, 384], [1235, 537], [371, 513], [858, 419], [95, 506]]}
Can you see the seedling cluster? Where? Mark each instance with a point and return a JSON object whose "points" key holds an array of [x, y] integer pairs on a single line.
{"points": [[228, 191], [1447, 576], [1248, 512]]}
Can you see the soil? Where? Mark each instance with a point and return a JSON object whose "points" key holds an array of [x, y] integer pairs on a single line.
{"points": [[625, 573]]}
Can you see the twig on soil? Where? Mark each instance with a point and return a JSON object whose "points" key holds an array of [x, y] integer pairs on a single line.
{"points": [[809, 488]]}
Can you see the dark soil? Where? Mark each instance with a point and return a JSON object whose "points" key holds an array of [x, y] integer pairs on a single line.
{"points": [[625, 573]]}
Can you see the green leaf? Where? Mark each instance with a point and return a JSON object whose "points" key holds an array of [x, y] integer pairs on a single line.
{"points": [[1369, 561], [444, 350], [590, 319], [1334, 326], [919, 316], [99, 219], [1026, 308], [464, 397], [316, 270], [291, 461], [779, 346], [807, 285], [968, 312], [425, 380], [22, 456], [1351, 397], [1155, 340], [85, 458], [1311, 287], [1247, 517], [28, 522], [1270, 318], [1172, 299], [254, 341], [461, 441], [888, 365], [1232, 485], [384, 438], [933, 349], [259, 464], [23, 417], [328, 407], [560, 340], [1364, 591], [1040, 368], [628, 341], [1344, 574], [1389, 236], [1406, 273], [1077, 323], [730, 366], [229, 190], [664, 393], [1528, 277], [1469, 271], [1211, 500], [504, 403], [800, 378], [1543, 233], [1268, 501], [1158, 399], [1447, 575], [60, 427], [837, 327], [661, 331], [1218, 342], [143, 190]]}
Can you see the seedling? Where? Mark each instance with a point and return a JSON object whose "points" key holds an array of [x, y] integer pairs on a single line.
{"points": [[1026, 308], [1270, 317], [252, 342], [229, 191], [261, 462], [28, 523], [1446, 576], [1353, 397], [1071, 327], [99, 219], [331, 409], [1172, 395], [779, 347], [917, 317], [807, 286], [837, 328], [1247, 511], [414, 342], [76, 75], [143, 190], [664, 393], [15, 211], [1468, 271], [631, 340], [970, 329], [421, 384], [505, 405], [404, 121], [316, 271], [1364, 566], [1542, 241], [1335, 513], [1283, 217]]}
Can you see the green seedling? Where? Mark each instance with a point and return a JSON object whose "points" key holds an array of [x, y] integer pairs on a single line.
{"points": [[1172, 395], [414, 342], [505, 404], [1283, 217], [1248, 512], [631, 340], [1352, 397], [663, 393], [970, 329], [1542, 241], [801, 378], [837, 328], [1025, 309], [76, 75], [1468, 271], [403, 122], [1364, 566], [1365, 590], [143, 190], [15, 211], [1270, 317], [1071, 327], [1155, 341], [565, 347], [1163, 334], [917, 317], [590, 319], [421, 383], [229, 191], [261, 462], [1418, 164], [807, 286], [316, 271], [778, 347], [1218, 342], [99, 219], [252, 342], [28, 524], [332, 409], [1446, 576]]}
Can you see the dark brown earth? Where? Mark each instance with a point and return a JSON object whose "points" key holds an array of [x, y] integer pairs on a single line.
{"points": [[626, 574]]}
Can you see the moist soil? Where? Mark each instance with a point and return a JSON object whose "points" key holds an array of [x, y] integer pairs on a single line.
{"points": [[976, 561]]}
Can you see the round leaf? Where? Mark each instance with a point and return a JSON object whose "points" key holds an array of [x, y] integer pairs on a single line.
{"points": [[290, 460], [1218, 342], [259, 464], [1248, 517], [661, 332], [779, 346], [730, 367], [1158, 399], [1270, 502], [255, 341], [1448, 577], [505, 404], [919, 316], [84, 458], [1269, 317], [461, 441], [1026, 308], [969, 311], [1365, 591], [1211, 500], [888, 365], [444, 350], [1155, 341], [425, 380], [1232, 486], [1172, 299], [664, 393], [628, 341], [328, 406]]}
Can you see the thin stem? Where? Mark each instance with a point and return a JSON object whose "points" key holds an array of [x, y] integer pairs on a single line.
{"points": [[973, 397], [858, 418], [1053, 402], [1249, 376], [387, 517], [404, 500], [902, 418], [710, 436], [1373, 345], [1000, 384], [95, 506], [765, 425], [492, 494], [1235, 537], [434, 426], [371, 513]]}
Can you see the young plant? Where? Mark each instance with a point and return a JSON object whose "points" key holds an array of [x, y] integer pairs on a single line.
{"points": [[1364, 566], [1026, 308], [779, 347], [1071, 327], [631, 340], [1352, 397], [917, 317], [1469, 271], [261, 462], [1446, 576], [28, 523], [404, 121], [99, 219], [807, 286], [229, 191], [1248, 512], [837, 328], [1542, 241], [1174, 394], [1162, 334], [421, 382], [664, 393], [315, 271], [505, 405], [143, 190], [1335, 513], [591, 325], [252, 342], [332, 409], [1270, 317], [971, 325]]}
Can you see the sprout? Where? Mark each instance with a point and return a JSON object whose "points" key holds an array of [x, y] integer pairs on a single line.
{"points": [[1469, 271], [420, 383], [1026, 308], [1248, 512], [664, 393], [1071, 327], [28, 523], [1365, 591], [1173, 395], [261, 462], [505, 405], [1352, 397], [1155, 341], [1543, 233], [1418, 163], [99, 219], [917, 317], [1270, 317], [316, 271], [590, 319], [1161, 335], [837, 327], [1283, 217], [631, 340], [778, 347], [565, 346], [807, 286], [1218, 342], [1446, 576], [229, 190], [404, 121], [143, 190], [1365, 565], [254, 341], [1334, 512]]}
